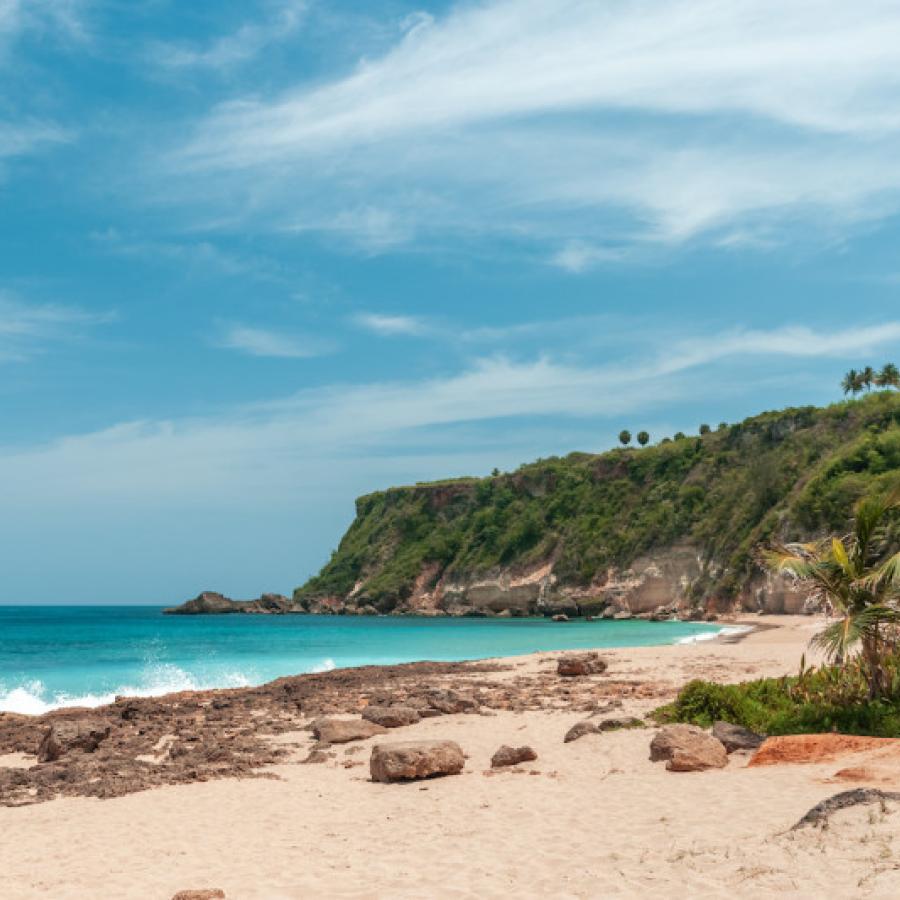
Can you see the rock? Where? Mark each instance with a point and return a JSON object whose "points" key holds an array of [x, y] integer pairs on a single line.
{"points": [[583, 664], [579, 730], [212, 603], [316, 756], [413, 760], [340, 731], [391, 716], [67, 735], [818, 815], [624, 614], [687, 749], [560, 617], [620, 724], [816, 748], [736, 737], [450, 702], [206, 894], [512, 756]]}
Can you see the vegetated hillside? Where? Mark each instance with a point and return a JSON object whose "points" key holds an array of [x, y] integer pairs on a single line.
{"points": [[627, 531]]}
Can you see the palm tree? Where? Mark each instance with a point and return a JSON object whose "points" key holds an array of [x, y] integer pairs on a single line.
{"points": [[643, 438], [625, 437], [867, 377], [858, 580], [851, 383], [889, 376]]}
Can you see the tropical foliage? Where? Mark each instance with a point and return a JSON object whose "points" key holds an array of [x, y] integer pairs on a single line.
{"points": [[855, 382]]}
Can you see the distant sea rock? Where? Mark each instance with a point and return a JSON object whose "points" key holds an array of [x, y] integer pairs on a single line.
{"points": [[211, 603]]}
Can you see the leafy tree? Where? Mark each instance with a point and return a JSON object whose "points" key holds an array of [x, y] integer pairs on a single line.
{"points": [[705, 429], [625, 437], [859, 580], [643, 438], [680, 435], [867, 377], [889, 376], [495, 472], [723, 426]]}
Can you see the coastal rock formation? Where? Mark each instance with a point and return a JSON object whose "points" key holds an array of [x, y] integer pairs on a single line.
{"points": [[212, 603], [583, 664], [736, 737], [512, 756], [391, 716], [342, 731], [414, 760], [84, 735], [687, 749]]}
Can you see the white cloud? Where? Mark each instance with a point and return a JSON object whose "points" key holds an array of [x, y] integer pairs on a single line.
{"points": [[23, 138], [392, 326], [265, 342], [26, 329], [230, 50]]}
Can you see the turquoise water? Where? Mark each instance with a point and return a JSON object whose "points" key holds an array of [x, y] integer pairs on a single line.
{"points": [[75, 656]]}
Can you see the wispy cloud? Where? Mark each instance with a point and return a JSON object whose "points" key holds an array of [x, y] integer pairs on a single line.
{"points": [[393, 326], [27, 329], [575, 122], [26, 137], [229, 50], [255, 341]]}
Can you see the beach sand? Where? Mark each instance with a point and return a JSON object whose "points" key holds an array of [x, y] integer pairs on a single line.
{"points": [[592, 818]]}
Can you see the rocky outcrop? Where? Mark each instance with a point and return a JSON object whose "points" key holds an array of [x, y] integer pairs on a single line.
{"points": [[212, 603], [79, 735], [687, 748], [414, 760], [512, 756]]}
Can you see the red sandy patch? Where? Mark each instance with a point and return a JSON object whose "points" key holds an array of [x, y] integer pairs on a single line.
{"points": [[816, 748]]}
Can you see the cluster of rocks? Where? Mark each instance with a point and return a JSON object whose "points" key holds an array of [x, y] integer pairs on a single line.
{"points": [[688, 748]]}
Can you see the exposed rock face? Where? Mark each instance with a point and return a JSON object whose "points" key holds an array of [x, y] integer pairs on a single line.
{"points": [[415, 760], [687, 749], [582, 664], [212, 603], [342, 731], [391, 716], [512, 756], [736, 737]]}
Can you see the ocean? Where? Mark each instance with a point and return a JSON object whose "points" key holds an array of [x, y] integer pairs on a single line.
{"points": [[54, 656]]}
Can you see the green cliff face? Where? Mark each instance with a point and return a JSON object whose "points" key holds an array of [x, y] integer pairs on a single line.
{"points": [[584, 517]]}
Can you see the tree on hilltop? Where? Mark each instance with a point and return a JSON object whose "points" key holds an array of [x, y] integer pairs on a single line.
{"points": [[643, 438], [625, 437], [852, 383], [888, 377]]}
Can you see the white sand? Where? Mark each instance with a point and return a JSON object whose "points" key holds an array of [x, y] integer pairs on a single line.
{"points": [[596, 820]]}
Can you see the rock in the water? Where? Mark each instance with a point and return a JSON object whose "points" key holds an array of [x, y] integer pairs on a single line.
{"points": [[560, 617], [687, 749], [736, 737], [65, 736], [391, 716], [412, 760], [573, 666], [624, 614], [512, 756], [207, 894], [340, 731], [579, 730]]}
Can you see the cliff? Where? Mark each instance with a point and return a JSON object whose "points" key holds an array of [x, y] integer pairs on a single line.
{"points": [[671, 527]]}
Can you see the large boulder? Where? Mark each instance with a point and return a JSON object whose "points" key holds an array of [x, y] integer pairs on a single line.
{"points": [[573, 666], [512, 756], [687, 748], [736, 737], [341, 731], [84, 735], [412, 760], [391, 716]]}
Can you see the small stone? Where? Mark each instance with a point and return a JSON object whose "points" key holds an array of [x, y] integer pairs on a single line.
{"points": [[512, 756], [391, 716], [579, 730]]}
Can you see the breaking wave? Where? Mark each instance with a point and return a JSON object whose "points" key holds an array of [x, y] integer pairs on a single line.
{"points": [[712, 635]]}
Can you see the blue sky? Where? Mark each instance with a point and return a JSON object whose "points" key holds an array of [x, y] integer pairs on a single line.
{"points": [[257, 258]]}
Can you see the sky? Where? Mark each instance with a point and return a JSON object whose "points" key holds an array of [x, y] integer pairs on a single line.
{"points": [[258, 258]]}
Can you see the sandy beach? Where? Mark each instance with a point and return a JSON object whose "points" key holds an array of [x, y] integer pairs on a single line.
{"points": [[589, 818]]}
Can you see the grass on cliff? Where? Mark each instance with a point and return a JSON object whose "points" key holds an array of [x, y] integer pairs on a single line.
{"points": [[832, 698], [789, 474]]}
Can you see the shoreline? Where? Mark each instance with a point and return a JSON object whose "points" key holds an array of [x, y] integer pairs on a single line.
{"points": [[227, 792]]}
